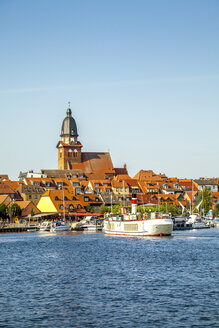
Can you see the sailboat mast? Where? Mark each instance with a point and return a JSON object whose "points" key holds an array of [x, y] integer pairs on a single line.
{"points": [[63, 203]]}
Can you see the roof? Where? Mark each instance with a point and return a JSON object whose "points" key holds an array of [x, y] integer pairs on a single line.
{"points": [[96, 165], [3, 198], [205, 182], [5, 189], [69, 127], [3, 177]]}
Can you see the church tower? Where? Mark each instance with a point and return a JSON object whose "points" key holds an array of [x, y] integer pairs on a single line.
{"points": [[69, 148]]}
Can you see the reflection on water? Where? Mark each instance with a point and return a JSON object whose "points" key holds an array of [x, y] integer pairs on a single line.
{"points": [[73, 279]]}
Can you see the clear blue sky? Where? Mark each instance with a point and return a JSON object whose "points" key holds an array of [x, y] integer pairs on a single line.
{"points": [[142, 78]]}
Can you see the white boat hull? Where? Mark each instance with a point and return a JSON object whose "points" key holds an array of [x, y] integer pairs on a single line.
{"points": [[149, 227], [61, 228]]}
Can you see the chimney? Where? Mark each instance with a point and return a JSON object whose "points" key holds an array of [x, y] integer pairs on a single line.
{"points": [[134, 204]]}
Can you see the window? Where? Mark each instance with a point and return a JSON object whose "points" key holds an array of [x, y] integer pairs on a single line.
{"points": [[29, 196], [96, 199], [75, 184], [78, 206], [56, 198], [65, 198], [107, 190], [77, 191], [71, 207], [73, 198], [96, 185], [105, 184], [61, 207], [86, 199]]}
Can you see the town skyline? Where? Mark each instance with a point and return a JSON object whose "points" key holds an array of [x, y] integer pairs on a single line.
{"points": [[147, 92]]}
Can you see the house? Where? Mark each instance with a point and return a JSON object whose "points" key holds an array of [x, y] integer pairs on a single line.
{"points": [[31, 192], [206, 184], [27, 208], [64, 201], [100, 186], [5, 199]]}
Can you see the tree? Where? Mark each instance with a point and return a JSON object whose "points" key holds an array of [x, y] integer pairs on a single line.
{"points": [[3, 212], [216, 209], [89, 209], [104, 209], [116, 208], [205, 196], [14, 210]]}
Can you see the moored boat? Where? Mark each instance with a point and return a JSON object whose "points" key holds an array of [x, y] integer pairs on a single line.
{"points": [[59, 226], [134, 224], [45, 226]]}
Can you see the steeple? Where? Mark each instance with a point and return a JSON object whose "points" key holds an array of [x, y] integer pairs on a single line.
{"points": [[69, 148], [69, 131]]}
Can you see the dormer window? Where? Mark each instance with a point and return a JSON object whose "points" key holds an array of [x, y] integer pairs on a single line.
{"points": [[86, 199], [96, 185]]}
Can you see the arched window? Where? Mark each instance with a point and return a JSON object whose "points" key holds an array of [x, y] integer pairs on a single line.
{"points": [[75, 153], [70, 152]]}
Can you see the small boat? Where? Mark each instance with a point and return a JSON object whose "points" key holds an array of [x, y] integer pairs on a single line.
{"points": [[33, 228], [216, 222], [59, 226], [45, 226], [90, 224], [134, 224], [197, 222]]}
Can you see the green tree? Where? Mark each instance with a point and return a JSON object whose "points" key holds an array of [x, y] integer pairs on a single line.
{"points": [[3, 211], [14, 210], [216, 209], [205, 196], [104, 209], [116, 208], [89, 208]]}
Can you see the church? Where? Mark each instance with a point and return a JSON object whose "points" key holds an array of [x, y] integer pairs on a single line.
{"points": [[73, 162]]}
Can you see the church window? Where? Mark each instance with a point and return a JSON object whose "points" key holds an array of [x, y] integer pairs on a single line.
{"points": [[75, 153]]}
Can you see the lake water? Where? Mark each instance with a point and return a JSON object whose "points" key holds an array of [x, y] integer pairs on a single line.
{"points": [[93, 280]]}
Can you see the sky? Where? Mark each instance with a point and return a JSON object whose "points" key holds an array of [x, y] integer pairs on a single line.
{"points": [[142, 78]]}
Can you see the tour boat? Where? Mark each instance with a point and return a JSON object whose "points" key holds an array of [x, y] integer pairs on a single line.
{"points": [[135, 224]]}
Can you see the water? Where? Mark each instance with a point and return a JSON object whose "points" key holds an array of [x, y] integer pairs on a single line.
{"points": [[93, 280]]}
